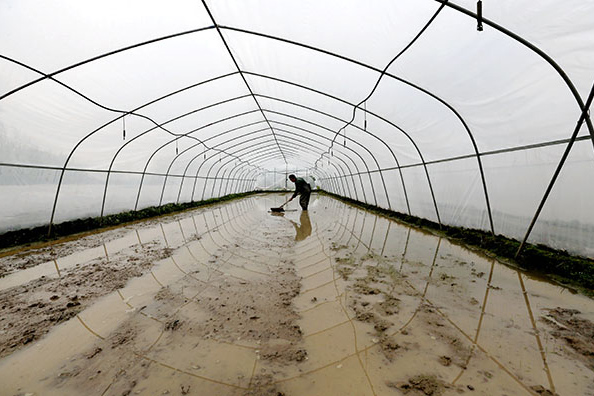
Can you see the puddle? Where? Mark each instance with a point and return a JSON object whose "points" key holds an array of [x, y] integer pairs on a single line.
{"points": [[232, 300]]}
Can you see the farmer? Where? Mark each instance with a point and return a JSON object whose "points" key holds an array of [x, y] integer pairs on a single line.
{"points": [[301, 188]]}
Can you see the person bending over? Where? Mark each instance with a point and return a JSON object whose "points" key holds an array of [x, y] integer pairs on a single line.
{"points": [[303, 189]]}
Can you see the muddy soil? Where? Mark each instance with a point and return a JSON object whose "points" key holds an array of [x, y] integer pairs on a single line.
{"points": [[244, 310], [258, 312], [423, 385], [29, 311], [15, 259], [576, 332], [31, 256], [375, 287]]}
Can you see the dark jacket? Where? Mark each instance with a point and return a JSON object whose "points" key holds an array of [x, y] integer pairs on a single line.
{"points": [[301, 187]]}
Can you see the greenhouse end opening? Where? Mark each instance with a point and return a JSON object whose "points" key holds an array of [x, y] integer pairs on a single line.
{"points": [[296, 198]]}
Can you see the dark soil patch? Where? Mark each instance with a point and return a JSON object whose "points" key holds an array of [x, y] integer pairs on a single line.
{"points": [[30, 311], [577, 332], [263, 385], [428, 385]]}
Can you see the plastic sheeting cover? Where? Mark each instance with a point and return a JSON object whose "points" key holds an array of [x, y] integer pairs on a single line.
{"points": [[110, 106]]}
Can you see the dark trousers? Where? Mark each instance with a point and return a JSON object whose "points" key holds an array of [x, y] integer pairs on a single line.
{"points": [[304, 199]]}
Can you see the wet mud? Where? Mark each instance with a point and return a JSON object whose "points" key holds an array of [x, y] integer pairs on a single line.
{"points": [[232, 300], [577, 332], [29, 311]]}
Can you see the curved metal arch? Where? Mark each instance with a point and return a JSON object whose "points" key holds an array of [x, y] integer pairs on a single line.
{"points": [[117, 118], [354, 151], [177, 137], [241, 177], [244, 185], [331, 158], [132, 112], [240, 72], [354, 163], [75, 65], [234, 154], [207, 177], [271, 155], [199, 168], [237, 144], [203, 152], [341, 172], [242, 149], [532, 47], [225, 169], [424, 163], [360, 129], [292, 139], [198, 155], [536, 50], [311, 132], [359, 63], [238, 174], [337, 157], [221, 181], [362, 146], [186, 135], [241, 170], [166, 96], [467, 12], [214, 148]]}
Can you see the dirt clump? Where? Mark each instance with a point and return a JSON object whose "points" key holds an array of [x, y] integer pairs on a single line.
{"points": [[388, 307], [263, 385], [445, 360], [437, 329], [285, 354], [389, 347], [578, 333], [541, 390], [423, 384], [173, 324]]}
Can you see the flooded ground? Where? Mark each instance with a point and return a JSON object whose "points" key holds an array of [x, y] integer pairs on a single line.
{"points": [[233, 300]]}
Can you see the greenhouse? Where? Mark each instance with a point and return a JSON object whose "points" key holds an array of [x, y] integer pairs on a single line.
{"points": [[296, 198]]}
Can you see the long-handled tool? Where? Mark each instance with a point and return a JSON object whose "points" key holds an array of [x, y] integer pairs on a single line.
{"points": [[280, 208]]}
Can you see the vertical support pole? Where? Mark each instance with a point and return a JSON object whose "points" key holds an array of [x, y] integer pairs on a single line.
{"points": [[581, 120]]}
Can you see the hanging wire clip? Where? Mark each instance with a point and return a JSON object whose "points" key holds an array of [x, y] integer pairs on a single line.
{"points": [[479, 16]]}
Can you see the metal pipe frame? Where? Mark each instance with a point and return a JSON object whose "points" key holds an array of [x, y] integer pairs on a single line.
{"points": [[576, 130], [354, 163], [201, 153], [305, 147], [214, 148], [214, 22], [52, 75], [253, 151], [198, 155], [177, 136], [187, 134], [193, 191], [360, 129], [313, 140], [205, 140]]}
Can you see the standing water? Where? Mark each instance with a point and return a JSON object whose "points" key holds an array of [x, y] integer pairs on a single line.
{"points": [[235, 300]]}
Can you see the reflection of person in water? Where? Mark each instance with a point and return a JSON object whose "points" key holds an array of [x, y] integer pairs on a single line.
{"points": [[304, 229]]}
